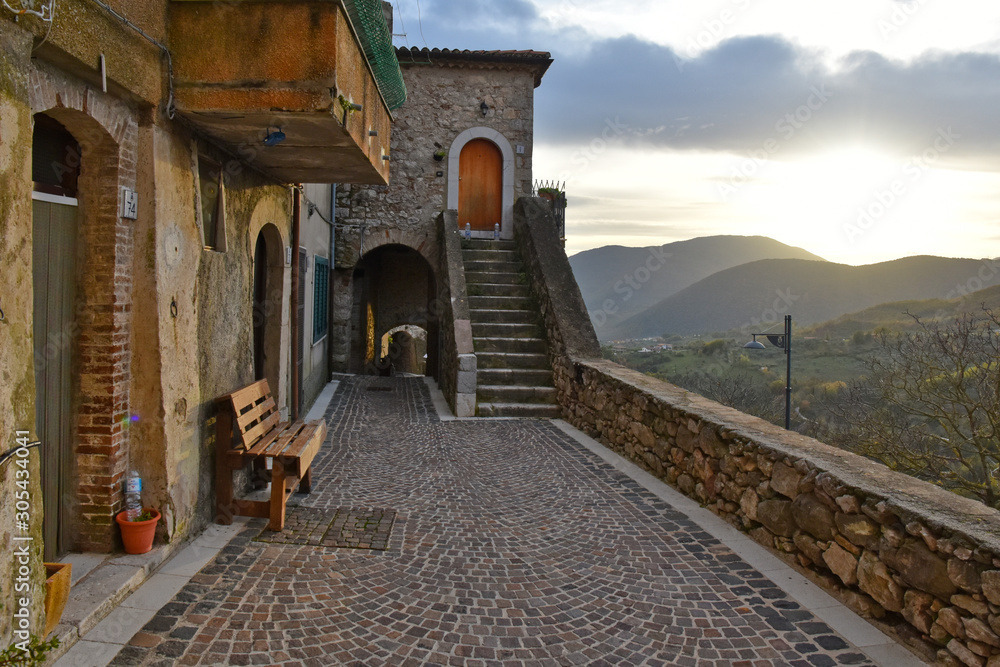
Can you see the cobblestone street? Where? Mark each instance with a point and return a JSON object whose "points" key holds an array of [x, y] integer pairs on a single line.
{"points": [[508, 543]]}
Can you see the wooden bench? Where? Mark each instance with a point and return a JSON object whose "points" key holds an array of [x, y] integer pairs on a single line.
{"points": [[249, 430]]}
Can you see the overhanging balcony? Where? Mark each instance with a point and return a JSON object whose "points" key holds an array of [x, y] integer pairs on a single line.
{"points": [[244, 69]]}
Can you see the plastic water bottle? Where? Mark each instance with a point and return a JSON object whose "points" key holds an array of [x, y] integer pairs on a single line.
{"points": [[496, 231], [468, 230], [133, 495]]}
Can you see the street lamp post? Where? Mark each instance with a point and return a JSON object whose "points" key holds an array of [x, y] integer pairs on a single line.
{"points": [[784, 341]]}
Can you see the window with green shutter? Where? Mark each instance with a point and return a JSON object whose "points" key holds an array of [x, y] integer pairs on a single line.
{"points": [[321, 292]]}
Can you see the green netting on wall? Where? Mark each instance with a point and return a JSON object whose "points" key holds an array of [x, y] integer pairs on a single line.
{"points": [[373, 31]]}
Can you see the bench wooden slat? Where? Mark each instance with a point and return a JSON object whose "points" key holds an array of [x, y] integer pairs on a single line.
{"points": [[252, 428], [260, 447]]}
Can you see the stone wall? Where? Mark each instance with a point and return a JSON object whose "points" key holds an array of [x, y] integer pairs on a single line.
{"points": [[442, 102], [458, 370], [924, 561]]}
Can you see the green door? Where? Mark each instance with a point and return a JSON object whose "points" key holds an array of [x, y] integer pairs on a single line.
{"points": [[55, 329]]}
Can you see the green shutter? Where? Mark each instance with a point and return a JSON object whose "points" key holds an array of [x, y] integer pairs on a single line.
{"points": [[321, 291]]}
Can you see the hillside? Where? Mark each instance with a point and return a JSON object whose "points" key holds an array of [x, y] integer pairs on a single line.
{"points": [[603, 273], [744, 297], [894, 316]]}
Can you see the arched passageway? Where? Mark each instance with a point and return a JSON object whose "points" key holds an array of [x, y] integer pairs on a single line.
{"points": [[394, 289]]}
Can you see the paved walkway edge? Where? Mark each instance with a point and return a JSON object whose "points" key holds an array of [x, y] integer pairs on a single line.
{"points": [[878, 646]]}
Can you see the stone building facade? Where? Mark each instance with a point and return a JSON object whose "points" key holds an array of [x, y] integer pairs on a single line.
{"points": [[144, 237], [453, 98]]}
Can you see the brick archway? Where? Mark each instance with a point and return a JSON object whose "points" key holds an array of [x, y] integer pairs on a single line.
{"points": [[107, 133]]}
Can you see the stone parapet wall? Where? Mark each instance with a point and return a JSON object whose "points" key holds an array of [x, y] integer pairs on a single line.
{"points": [[892, 546], [458, 373], [922, 559]]}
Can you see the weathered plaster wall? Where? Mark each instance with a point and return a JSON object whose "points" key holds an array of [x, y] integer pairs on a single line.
{"points": [[17, 379], [923, 560], [165, 393], [225, 304], [316, 235]]}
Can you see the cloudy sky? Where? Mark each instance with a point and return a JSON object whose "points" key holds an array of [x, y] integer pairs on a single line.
{"points": [[860, 130]]}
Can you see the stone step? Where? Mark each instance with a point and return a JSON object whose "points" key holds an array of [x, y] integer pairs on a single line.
{"points": [[521, 410], [509, 316], [488, 244], [512, 344], [497, 289], [494, 278], [512, 360], [491, 266], [495, 393], [520, 330], [500, 303], [522, 377], [490, 256]]}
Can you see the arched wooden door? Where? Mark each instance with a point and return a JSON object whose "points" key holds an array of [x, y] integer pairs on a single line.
{"points": [[480, 185]]}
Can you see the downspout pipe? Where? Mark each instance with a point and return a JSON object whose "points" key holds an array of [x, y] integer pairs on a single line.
{"points": [[294, 300], [329, 292]]}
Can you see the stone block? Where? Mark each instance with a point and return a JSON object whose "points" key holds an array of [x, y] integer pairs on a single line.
{"points": [[920, 568], [917, 610], [812, 516], [842, 563], [776, 515], [748, 503], [465, 405], [991, 585], [807, 545], [467, 382], [970, 604], [848, 504], [643, 434], [960, 651], [859, 529], [785, 480], [950, 619], [467, 362], [874, 579], [980, 632]]}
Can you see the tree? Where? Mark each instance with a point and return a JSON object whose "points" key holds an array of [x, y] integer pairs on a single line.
{"points": [[737, 388], [930, 405]]}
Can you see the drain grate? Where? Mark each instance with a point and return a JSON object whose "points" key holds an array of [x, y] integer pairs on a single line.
{"points": [[342, 527]]}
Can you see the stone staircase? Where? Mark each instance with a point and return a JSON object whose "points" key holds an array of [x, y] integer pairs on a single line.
{"points": [[515, 378]]}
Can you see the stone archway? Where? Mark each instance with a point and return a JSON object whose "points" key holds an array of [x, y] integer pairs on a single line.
{"points": [[507, 186], [96, 440], [392, 286], [268, 303]]}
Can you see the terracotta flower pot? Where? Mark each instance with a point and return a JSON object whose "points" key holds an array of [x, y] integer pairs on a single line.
{"points": [[59, 576], [138, 535]]}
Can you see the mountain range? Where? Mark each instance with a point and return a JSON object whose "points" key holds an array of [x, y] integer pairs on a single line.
{"points": [[618, 282], [691, 294]]}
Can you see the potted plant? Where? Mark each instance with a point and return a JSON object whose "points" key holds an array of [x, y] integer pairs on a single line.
{"points": [[439, 155], [138, 535], [58, 577], [552, 194]]}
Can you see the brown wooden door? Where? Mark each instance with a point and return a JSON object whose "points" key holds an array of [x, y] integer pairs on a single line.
{"points": [[480, 183]]}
